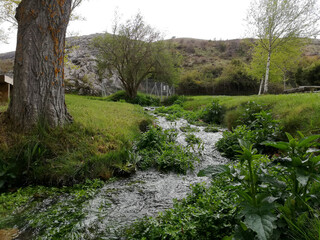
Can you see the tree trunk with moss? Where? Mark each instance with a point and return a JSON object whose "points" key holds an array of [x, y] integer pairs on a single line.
{"points": [[38, 92]]}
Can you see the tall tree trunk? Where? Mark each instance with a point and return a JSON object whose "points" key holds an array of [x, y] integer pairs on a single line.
{"points": [[261, 85], [266, 80], [38, 91]]}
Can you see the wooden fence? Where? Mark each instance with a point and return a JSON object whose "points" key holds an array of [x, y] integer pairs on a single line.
{"points": [[303, 89]]}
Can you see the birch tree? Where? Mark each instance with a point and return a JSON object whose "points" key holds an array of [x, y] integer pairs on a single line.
{"points": [[284, 60], [276, 22]]}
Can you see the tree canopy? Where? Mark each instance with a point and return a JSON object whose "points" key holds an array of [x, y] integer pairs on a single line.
{"points": [[134, 51], [285, 59], [277, 22]]}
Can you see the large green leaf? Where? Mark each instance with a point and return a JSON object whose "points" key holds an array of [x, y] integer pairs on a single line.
{"points": [[304, 142], [214, 170], [280, 145], [262, 224], [303, 177], [260, 218]]}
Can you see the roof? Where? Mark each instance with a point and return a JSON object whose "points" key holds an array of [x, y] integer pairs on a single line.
{"points": [[6, 79]]}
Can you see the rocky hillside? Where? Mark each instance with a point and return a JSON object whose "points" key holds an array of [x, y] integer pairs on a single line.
{"points": [[82, 77]]}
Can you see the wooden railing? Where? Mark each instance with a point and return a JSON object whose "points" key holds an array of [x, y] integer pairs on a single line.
{"points": [[303, 89]]}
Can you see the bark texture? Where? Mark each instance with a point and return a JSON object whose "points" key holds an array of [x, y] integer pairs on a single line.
{"points": [[38, 91], [266, 80]]}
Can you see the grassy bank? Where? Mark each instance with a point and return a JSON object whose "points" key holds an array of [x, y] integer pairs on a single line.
{"points": [[295, 111], [94, 146]]}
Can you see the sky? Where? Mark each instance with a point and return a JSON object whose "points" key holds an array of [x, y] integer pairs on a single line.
{"points": [[202, 19]]}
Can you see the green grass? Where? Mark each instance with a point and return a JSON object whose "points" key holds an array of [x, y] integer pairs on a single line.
{"points": [[95, 145], [295, 111], [117, 120], [3, 107]]}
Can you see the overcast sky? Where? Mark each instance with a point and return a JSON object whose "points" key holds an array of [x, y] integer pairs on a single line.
{"points": [[203, 19]]}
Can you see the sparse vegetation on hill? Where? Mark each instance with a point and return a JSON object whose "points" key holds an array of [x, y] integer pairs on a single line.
{"points": [[218, 67]]}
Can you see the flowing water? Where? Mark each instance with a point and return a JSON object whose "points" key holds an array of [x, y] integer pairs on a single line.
{"points": [[145, 193], [148, 192]]}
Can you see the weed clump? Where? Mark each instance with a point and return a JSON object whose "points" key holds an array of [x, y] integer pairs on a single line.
{"points": [[158, 149]]}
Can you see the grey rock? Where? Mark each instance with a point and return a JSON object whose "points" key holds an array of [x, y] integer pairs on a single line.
{"points": [[80, 69]]}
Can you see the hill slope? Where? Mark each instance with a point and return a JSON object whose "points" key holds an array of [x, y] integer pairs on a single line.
{"points": [[83, 78]]}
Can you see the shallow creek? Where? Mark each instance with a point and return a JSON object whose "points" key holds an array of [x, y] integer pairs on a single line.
{"points": [[149, 192], [146, 193]]}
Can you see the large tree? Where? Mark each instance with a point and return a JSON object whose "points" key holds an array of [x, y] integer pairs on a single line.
{"points": [[284, 60], [276, 22], [134, 52], [38, 92], [8, 10]]}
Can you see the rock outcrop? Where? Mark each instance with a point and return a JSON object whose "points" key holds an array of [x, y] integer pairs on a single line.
{"points": [[81, 75]]}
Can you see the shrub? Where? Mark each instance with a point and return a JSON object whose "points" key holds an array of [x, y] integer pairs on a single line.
{"points": [[235, 80], [141, 99], [157, 148], [228, 145], [212, 113], [174, 99], [262, 128], [174, 112], [247, 114]]}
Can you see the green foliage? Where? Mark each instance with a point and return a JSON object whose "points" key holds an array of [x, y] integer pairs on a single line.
{"points": [[175, 158], [176, 111], [94, 146], [174, 99], [247, 115], [308, 74], [228, 145], [302, 169], [260, 127], [157, 148], [140, 99], [295, 112], [278, 197], [191, 83], [306, 226], [235, 80], [7, 174], [212, 129], [206, 213], [134, 52], [189, 129], [173, 112], [53, 219], [153, 139], [212, 113]]}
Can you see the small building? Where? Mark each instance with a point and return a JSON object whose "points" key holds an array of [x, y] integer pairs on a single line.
{"points": [[6, 84]]}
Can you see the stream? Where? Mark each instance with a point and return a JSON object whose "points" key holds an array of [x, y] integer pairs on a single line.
{"points": [[119, 203]]}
